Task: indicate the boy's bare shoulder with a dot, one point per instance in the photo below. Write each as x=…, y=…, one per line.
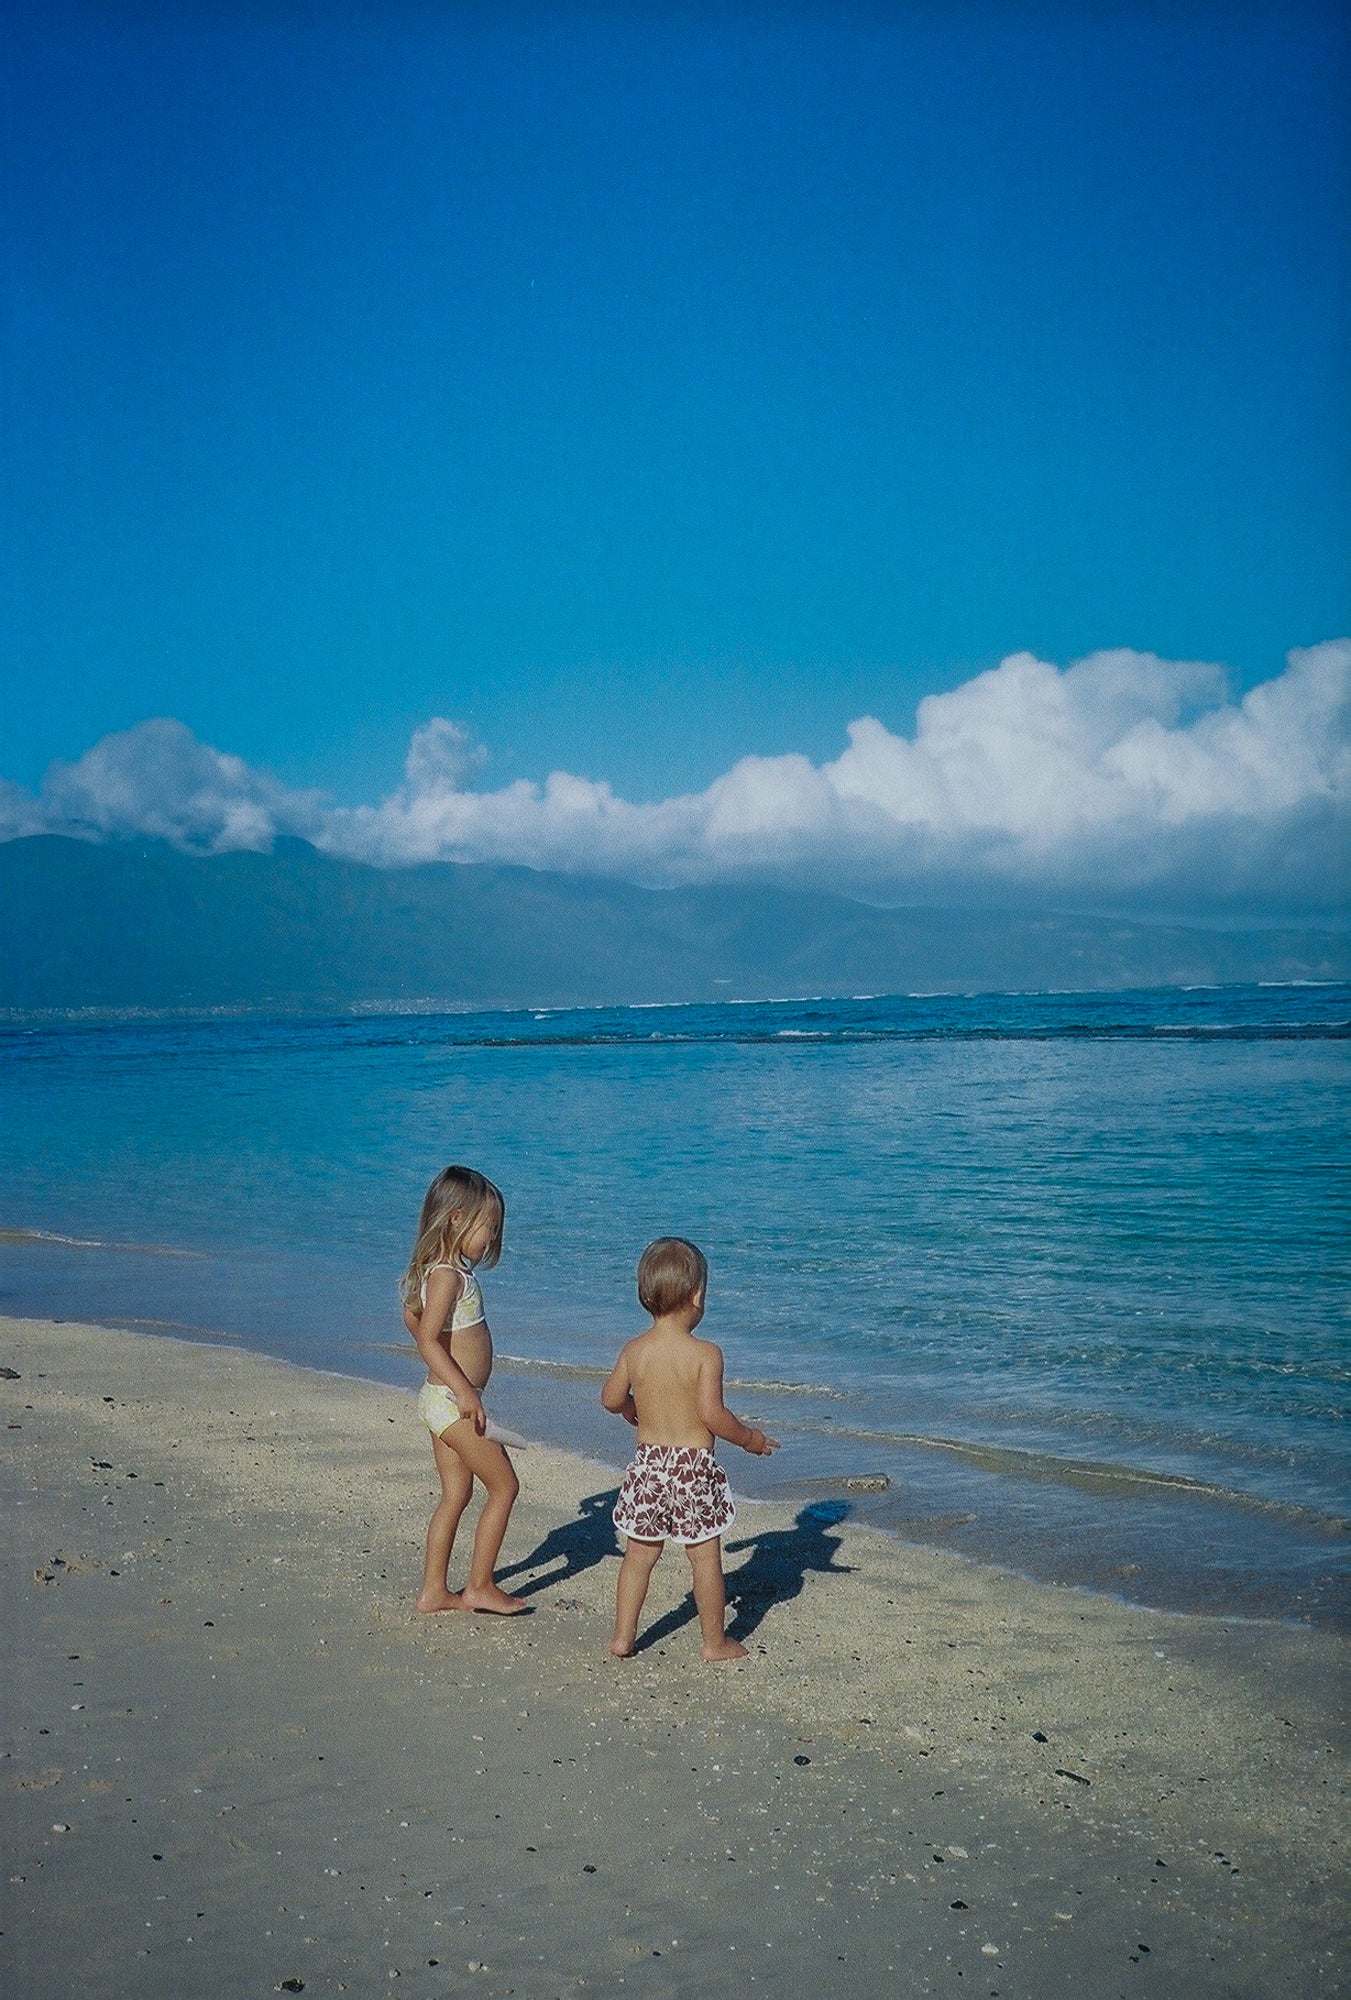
x=710, y=1354
x=641, y=1345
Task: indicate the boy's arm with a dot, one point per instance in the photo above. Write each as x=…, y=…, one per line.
x=715, y=1415
x=443, y=1289
x=617, y=1395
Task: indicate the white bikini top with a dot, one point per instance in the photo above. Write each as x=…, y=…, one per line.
x=468, y=1308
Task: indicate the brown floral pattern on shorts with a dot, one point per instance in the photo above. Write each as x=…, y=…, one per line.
x=675, y=1493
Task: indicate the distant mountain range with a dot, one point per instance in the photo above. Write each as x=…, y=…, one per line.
x=138, y=925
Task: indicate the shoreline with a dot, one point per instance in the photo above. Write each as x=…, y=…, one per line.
x=1168, y=1541
x=930, y=1777
x=395, y=1008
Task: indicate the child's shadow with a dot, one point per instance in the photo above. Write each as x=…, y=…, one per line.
x=579, y=1545
x=773, y=1573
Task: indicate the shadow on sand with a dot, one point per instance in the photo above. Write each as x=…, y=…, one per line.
x=773, y=1573
x=578, y=1545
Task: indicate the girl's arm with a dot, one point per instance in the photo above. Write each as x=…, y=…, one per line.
x=715, y=1415
x=617, y=1395
x=443, y=1291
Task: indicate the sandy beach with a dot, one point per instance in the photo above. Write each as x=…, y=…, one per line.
x=237, y=1762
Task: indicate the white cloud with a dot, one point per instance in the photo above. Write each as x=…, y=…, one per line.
x=158, y=780
x=1123, y=775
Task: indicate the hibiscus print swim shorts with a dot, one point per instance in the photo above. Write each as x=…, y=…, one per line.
x=674, y=1493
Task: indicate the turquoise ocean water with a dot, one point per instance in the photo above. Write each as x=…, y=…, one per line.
x=1066, y=1272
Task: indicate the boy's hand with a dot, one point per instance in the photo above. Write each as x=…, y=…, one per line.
x=760, y=1445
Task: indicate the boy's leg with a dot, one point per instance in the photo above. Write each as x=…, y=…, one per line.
x=635, y=1573
x=710, y=1599
x=457, y=1483
x=487, y=1461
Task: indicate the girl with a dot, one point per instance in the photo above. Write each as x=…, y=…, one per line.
x=460, y=1227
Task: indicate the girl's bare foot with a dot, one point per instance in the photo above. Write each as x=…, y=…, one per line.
x=487, y=1597
x=439, y=1600
x=726, y=1649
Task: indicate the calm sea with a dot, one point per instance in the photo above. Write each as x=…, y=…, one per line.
x=1059, y=1279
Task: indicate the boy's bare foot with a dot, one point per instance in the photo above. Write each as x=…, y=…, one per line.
x=618, y=1652
x=725, y=1650
x=439, y=1600
x=487, y=1597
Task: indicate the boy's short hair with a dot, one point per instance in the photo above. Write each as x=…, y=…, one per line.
x=671, y=1272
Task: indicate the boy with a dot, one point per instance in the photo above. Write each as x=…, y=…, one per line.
x=669, y=1386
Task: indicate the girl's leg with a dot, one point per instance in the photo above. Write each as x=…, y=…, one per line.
x=710, y=1599
x=635, y=1573
x=457, y=1483
x=486, y=1461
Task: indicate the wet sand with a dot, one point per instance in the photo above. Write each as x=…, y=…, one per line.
x=236, y=1761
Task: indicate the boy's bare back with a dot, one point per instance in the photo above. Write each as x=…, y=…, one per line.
x=674, y=1380
x=670, y=1385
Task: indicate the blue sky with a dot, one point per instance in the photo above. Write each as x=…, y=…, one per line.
x=647, y=388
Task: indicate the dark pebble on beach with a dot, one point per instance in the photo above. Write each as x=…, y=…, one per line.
x=802, y=1760
x=959, y=1906
x=1061, y=1772
x=589, y=1868
x=291, y=1986
x=1040, y=1736
x=10, y=1375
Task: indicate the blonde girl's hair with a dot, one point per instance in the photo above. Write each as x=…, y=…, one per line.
x=670, y=1273
x=458, y=1198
